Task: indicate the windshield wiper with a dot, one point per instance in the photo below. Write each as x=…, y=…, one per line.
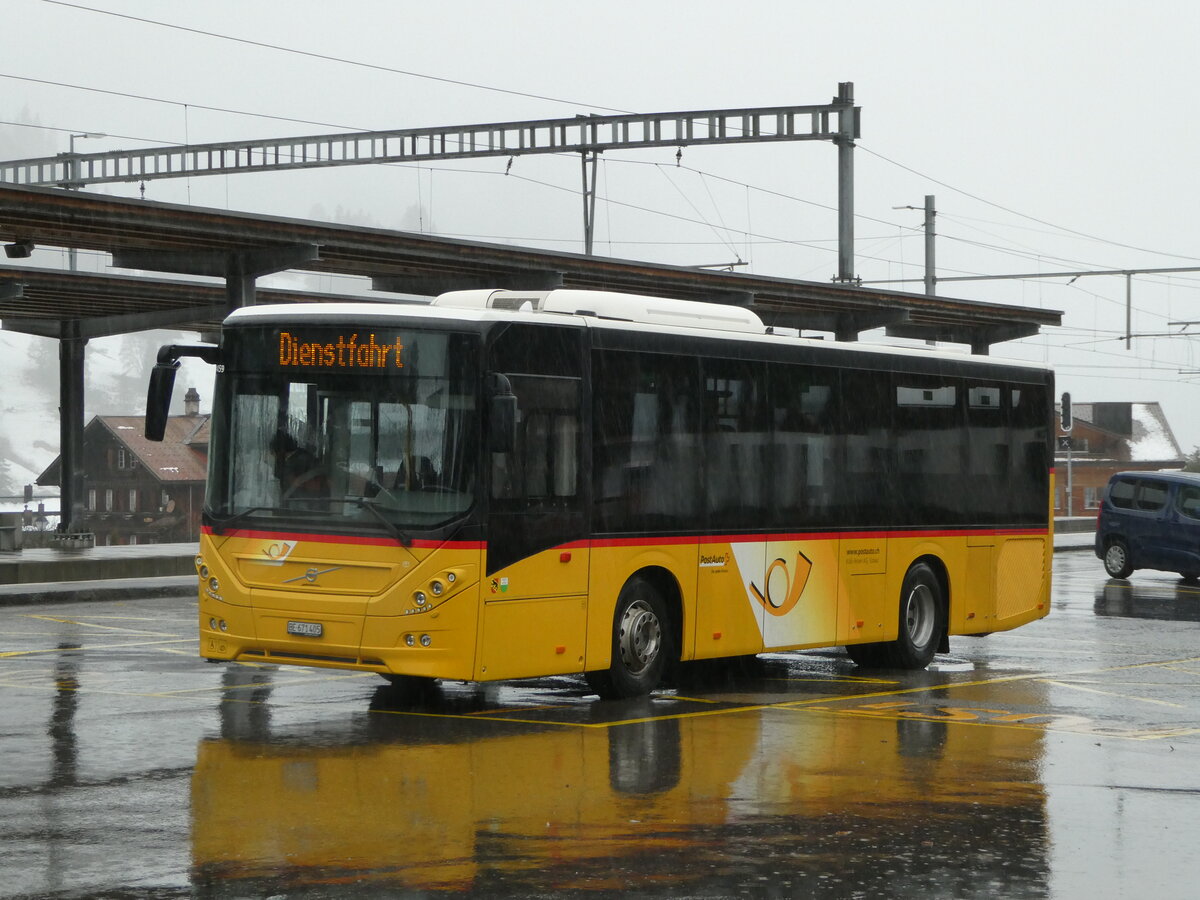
x=370, y=505
x=225, y=524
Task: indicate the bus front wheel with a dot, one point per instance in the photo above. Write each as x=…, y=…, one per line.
x=640, y=644
x=410, y=685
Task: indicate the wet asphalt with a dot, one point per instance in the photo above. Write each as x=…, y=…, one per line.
x=1058, y=760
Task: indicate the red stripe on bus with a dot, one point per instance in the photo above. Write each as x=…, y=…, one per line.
x=646, y=541
x=816, y=536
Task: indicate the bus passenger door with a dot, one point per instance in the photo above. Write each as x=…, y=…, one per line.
x=736, y=433
x=799, y=593
x=534, y=616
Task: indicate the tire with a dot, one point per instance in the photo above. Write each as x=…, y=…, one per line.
x=410, y=686
x=867, y=656
x=641, y=644
x=922, y=620
x=1117, y=561
x=922, y=625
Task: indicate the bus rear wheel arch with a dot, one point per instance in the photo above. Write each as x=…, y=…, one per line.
x=921, y=633
x=644, y=640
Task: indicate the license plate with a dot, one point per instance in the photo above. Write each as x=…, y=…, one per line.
x=306, y=629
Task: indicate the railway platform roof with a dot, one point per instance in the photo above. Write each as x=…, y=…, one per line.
x=238, y=247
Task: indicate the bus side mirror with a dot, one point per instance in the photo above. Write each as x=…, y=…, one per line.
x=162, y=382
x=158, y=398
x=502, y=414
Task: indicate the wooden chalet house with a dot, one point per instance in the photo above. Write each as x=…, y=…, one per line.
x=137, y=491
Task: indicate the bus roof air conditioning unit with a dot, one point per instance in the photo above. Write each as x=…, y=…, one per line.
x=612, y=305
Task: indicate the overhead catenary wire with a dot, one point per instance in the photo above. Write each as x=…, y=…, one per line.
x=979, y=199
x=330, y=58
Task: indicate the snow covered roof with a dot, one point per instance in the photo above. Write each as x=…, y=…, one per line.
x=1150, y=438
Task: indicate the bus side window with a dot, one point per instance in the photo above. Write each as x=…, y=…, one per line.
x=544, y=366
x=867, y=479
x=1029, y=420
x=805, y=459
x=543, y=467
x=648, y=440
x=989, y=454
x=736, y=429
x=931, y=445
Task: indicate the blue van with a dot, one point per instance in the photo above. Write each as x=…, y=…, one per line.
x=1150, y=520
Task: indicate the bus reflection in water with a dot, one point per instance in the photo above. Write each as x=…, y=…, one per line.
x=802, y=801
x=516, y=485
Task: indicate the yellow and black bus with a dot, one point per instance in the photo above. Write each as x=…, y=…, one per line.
x=501, y=485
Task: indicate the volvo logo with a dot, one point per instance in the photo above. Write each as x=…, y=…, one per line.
x=311, y=575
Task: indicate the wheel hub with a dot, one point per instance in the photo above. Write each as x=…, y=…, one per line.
x=919, y=615
x=640, y=637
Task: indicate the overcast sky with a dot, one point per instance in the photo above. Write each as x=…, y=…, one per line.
x=1055, y=136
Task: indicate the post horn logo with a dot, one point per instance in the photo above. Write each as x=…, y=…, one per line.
x=276, y=554
x=783, y=588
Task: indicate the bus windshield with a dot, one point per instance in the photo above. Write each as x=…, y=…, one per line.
x=365, y=448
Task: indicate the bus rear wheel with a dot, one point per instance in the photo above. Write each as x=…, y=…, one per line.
x=641, y=644
x=922, y=625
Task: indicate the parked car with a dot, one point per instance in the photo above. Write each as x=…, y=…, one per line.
x=1150, y=520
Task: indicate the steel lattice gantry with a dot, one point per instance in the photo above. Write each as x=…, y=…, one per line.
x=837, y=122
x=570, y=135
x=240, y=247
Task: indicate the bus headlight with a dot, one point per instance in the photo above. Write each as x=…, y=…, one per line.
x=410, y=640
x=214, y=585
x=437, y=587
x=426, y=640
x=420, y=598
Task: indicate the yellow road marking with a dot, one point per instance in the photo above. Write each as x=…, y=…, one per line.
x=119, y=618
x=835, y=679
x=91, y=625
x=500, y=712
x=816, y=704
x=1059, y=723
x=13, y=654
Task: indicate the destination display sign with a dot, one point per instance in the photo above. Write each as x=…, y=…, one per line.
x=349, y=350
